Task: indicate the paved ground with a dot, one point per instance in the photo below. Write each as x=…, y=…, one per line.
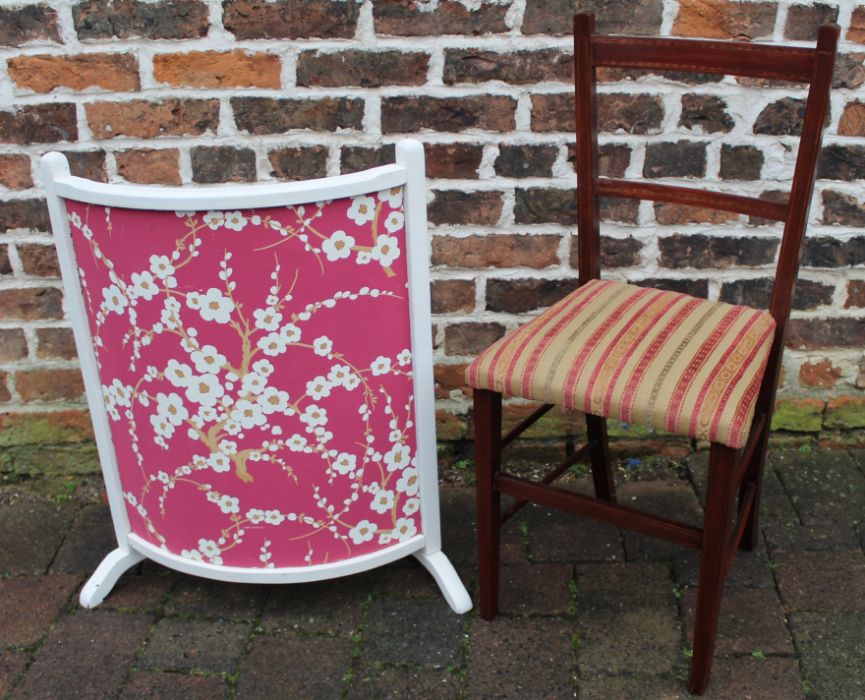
x=588, y=612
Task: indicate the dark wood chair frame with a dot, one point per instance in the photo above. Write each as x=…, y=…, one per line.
x=728, y=525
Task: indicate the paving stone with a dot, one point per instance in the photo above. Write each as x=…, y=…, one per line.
x=670, y=498
x=633, y=688
x=821, y=580
x=521, y=658
x=824, y=486
x=294, y=667
x=627, y=620
x=146, y=685
x=141, y=591
x=417, y=631
x=832, y=652
x=12, y=663
x=796, y=537
x=751, y=620
x=744, y=677
x=86, y=655
x=399, y=683
x=88, y=541
x=321, y=606
x=31, y=530
x=407, y=577
x=542, y=588
x=558, y=536
x=186, y=645
x=750, y=569
x=201, y=597
x=29, y=604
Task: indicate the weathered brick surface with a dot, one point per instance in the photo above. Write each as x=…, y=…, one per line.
x=267, y=115
x=222, y=164
x=145, y=119
x=361, y=68
x=13, y=344
x=27, y=214
x=705, y=113
x=725, y=19
x=290, y=19
x=15, y=172
x=49, y=384
x=449, y=17
x=450, y=114
x=89, y=164
x=471, y=337
x=149, y=166
x=449, y=296
x=521, y=295
x=756, y=293
x=458, y=207
x=741, y=162
x=43, y=73
x=31, y=304
x=28, y=604
x=681, y=159
x=519, y=68
x=495, y=251
x=130, y=19
x=780, y=118
x=218, y=69
x=301, y=163
x=681, y=250
x=839, y=162
x=453, y=160
x=803, y=21
x=25, y=23
x=611, y=17
x=40, y=123
x=39, y=260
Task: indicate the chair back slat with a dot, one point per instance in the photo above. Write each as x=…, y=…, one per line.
x=691, y=196
x=700, y=56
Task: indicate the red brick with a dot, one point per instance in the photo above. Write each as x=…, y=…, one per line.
x=39, y=260
x=266, y=115
x=450, y=296
x=149, y=119
x=89, y=164
x=453, y=160
x=18, y=25
x=13, y=345
x=56, y=343
x=49, y=384
x=671, y=214
x=448, y=114
x=526, y=160
x=844, y=209
x=45, y=123
x=117, y=72
x=211, y=164
x=856, y=31
x=356, y=158
x=811, y=333
x=725, y=19
x=290, y=19
x=553, y=112
x=218, y=69
x=611, y=16
x=449, y=17
x=361, y=68
x=518, y=296
x=31, y=304
x=471, y=337
x=5, y=264
x=149, y=166
x=855, y=295
x=129, y=19
x=15, y=172
x=822, y=374
x=450, y=378
x=299, y=162
x=27, y=214
x=803, y=21
x=5, y=395
x=457, y=207
x=514, y=67
x=852, y=122
x=498, y=251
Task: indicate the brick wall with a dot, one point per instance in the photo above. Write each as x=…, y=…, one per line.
x=202, y=91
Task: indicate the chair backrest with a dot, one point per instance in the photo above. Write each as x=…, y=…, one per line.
x=257, y=360
x=813, y=66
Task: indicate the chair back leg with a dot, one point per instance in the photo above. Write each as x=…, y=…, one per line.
x=754, y=475
x=714, y=555
x=599, y=454
x=488, y=456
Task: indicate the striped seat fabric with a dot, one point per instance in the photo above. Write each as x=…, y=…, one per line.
x=641, y=355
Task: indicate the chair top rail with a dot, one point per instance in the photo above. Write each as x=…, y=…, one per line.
x=704, y=56
x=691, y=196
x=227, y=196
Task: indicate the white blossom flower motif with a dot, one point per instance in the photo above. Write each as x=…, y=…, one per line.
x=394, y=221
x=404, y=358
x=193, y=300
x=204, y=389
x=74, y=219
x=193, y=554
x=338, y=246
x=412, y=505
x=386, y=250
x=364, y=531
x=393, y=197
x=161, y=266
x=144, y=285
x=255, y=515
x=234, y=220
x=253, y=383
x=318, y=388
x=213, y=219
x=273, y=517
x=248, y=414
x=219, y=462
x=290, y=333
x=161, y=426
x=215, y=306
x=408, y=482
x=122, y=393
x=171, y=407
x=351, y=382
x=228, y=446
x=404, y=529
x=322, y=346
x=229, y=504
x=208, y=360
x=363, y=257
x=211, y=550
x=178, y=373
x=115, y=301
x=272, y=344
x=339, y=374
x=382, y=502
x=314, y=416
x=397, y=457
x=267, y=319
x=232, y=427
x=199, y=461
x=380, y=365
x=170, y=313
x=263, y=367
x=273, y=400
x=362, y=209
x=345, y=463
x=296, y=443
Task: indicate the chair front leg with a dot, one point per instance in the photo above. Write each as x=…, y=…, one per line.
x=488, y=454
x=715, y=550
x=599, y=455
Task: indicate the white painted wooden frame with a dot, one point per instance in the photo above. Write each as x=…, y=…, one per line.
x=408, y=171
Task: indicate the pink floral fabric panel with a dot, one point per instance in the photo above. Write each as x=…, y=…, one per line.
x=256, y=369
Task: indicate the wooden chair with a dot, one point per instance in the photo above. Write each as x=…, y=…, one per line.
x=685, y=365
x=249, y=425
